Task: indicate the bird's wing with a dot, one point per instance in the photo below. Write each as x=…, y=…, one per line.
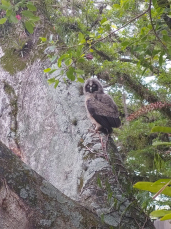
x=104, y=111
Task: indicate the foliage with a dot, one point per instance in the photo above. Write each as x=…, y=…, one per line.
x=13, y=11
x=160, y=186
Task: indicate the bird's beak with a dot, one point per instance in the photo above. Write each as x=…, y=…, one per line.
x=91, y=89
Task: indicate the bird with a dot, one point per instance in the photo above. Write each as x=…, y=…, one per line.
x=102, y=110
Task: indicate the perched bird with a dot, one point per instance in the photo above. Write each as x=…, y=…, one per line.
x=101, y=108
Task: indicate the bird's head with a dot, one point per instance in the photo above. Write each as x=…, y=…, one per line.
x=93, y=85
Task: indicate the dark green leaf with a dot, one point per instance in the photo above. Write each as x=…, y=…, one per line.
x=125, y=43
x=27, y=13
x=70, y=74
x=13, y=19
x=166, y=38
x=8, y=13
x=154, y=2
x=144, y=71
x=29, y=27
x=31, y=7
x=161, y=59
x=81, y=60
x=79, y=71
x=34, y=18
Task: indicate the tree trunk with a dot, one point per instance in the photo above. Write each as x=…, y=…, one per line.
x=27, y=201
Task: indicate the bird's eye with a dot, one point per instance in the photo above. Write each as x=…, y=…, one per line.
x=88, y=86
x=94, y=85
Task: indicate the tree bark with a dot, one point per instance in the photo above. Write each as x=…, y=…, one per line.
x=27, y=201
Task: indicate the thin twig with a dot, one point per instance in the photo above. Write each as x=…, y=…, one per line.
x=133, y=19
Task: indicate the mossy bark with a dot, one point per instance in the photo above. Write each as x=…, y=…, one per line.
x=27, y=201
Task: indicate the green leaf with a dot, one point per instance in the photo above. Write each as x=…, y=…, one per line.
x=160, y=213
x=81, y=60
x=43, y=39
x=151, y=187
x=56, y=83
x=79, y=50
x=6, y=4
x=117, y=6
x=80, y=36
x=8, y=13
x=31, y=7
x=79, y=71
x=161, y=129
x=68, y=61
x=70, y=74
x=52, y=71
x=29, y=27
x=3, y=20
x=30, y=15
x=161, y=181
x=34, y=18
x=4, y=7
x=103, y=20
x=61, y=58
x=27, y=13
x=13, y=19
x=144, y=71
x=80, y=80
x=52, y=80
x=166, y=38
x=106, y=23
x=161, y=143
x=154, y=2
x=125, y=43
x=166, y=217
x=47, y=70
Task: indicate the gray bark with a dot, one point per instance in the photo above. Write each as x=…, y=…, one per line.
x=27, y=201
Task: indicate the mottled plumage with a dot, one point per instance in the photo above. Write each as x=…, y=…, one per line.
x=101, y=108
